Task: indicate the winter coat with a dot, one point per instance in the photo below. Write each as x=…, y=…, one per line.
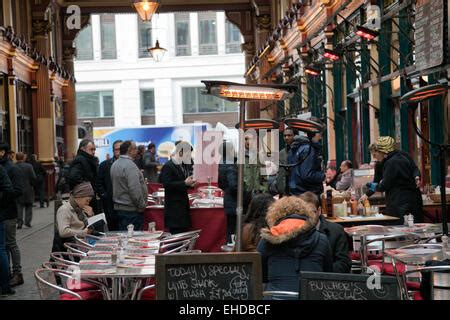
x=176, y=200
x=378, y=175
x=6, y=189
x=8, y=206
x=228, y=182
x=398, y=183
x=83, y=168
x=150, y=166
x=344, y=180
x=292, y=244
x=29, y=180
x=338, y=240
x=253, y=181
x=104, y=184
x=129, y=189
x=308, y=175
x=281, y=175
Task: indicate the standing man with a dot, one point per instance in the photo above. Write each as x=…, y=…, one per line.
x=105, y=187
x=150, y=163
x=129, y=189
x=400, y=180
x=177, y=179
x=40, y=173
x=308, y=174
x=289, y=135
x=26, y=200
x=84, y=168
x=9, y=208
x=6, y=190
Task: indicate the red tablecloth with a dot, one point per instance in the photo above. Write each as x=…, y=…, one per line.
x=153, y=187
x=212, y=222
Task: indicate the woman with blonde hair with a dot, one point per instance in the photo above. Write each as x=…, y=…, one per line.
x=291, y=243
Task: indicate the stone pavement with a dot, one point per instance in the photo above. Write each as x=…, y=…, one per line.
x=35, y=244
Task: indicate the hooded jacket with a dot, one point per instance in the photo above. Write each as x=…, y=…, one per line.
x=292, y=244
x=308, y=175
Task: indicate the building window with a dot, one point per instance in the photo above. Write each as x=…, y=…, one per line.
x=108, y=36
x=95, y=104
x=182, y=34
x=4, y=118
x=233, y=38
x=83, y=44
x=194, y=102
x=147, y=102
x=145, y=37
x=24, y=115
x=207, y=33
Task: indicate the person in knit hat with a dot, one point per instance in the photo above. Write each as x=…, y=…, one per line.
x=400, y=180
x=71, y=218
x=291, y=243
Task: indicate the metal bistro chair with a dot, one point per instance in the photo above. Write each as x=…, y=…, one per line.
x=179, y=246
x=190, y=235
x=387, y=242
x=85, y=239
x=71, y=283
x=280, y=295
x=50, y=290
x=439, y=283
x=77, y=248
x=68, y=258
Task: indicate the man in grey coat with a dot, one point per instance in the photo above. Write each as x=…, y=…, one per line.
x=26, y=200
x=129, y=188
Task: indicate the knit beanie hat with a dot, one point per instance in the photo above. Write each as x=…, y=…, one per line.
x=82, y=190
x=385, y=144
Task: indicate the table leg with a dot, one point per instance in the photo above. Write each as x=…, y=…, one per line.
x=115, y=288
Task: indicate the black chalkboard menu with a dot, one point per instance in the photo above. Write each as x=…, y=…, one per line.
x=429, y=33
x=341, y=286
x=205, y=276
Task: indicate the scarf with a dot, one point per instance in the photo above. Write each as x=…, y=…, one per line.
x=80, y=214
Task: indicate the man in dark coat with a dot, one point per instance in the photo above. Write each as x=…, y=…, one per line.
x=105, y=186
x=336, y=235
x=6, y=190
x=400, y=182
x=308, y=174
x=40, y=173
x=176, y=177
x=9, y=208
x=289, y=138
x=150, y=163
x=26, y=200
x=84, y=168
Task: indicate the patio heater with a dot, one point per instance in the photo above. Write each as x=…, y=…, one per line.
x=412, y=99
x=245, y=92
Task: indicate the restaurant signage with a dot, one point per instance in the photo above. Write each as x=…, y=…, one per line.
x=219, y=276
x=429, y=34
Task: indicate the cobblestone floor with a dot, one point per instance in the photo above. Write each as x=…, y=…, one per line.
x=35, y=245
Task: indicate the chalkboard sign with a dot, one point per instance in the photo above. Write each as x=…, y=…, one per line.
x=429, y=34
x=340, y=286
x=204, y=276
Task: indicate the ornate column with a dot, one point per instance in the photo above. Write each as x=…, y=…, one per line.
x=329, y=79
x=69, y=107
x=253, y=108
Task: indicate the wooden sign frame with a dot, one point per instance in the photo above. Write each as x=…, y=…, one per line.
x=254, y=258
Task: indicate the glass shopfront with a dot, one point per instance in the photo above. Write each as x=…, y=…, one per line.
x=24, y=118
x=4, y=116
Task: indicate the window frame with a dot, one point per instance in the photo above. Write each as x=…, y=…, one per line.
x=148, y=39
x=181, y=17
x=101, y=94
x=142, y=90
x=204, y=49
x=102, y=49
x=197, y=102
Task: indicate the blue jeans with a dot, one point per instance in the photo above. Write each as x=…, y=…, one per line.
x=130, y=217
x=4, y=263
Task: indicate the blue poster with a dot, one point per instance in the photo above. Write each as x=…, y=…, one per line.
x=163, y=137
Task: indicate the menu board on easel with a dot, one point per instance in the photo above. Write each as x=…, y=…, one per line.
x=429, y=34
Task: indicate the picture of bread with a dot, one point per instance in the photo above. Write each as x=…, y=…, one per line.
x=165, y=149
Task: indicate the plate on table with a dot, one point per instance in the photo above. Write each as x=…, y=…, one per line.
x=417, y=251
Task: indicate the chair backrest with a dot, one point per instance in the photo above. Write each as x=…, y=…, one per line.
x=67, y=258
x=280, y=295
x=173, y=247
x=439, y=281
x=76, y=248
x=180, y=236
x=432, y=239
x=47, y=285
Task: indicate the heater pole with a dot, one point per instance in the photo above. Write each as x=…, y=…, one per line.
x=442, y=154
x=240, y=189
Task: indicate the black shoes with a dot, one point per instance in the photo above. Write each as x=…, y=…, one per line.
x=19, y=226
x=16, y=280
x=28, y=225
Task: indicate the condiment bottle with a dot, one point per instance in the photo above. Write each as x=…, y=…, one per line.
x=345, y=208
x=114, y=256
x=329, y=203
x=410, y=220
x=354, y=205
x=361, y=209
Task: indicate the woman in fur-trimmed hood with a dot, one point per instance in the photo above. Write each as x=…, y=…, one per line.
x=292, y=244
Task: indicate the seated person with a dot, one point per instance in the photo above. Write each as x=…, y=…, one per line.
x=335, y=233
x=331, y=177
x=344, y=180
x=71, y=218
x=291, y=244
x=255, y=220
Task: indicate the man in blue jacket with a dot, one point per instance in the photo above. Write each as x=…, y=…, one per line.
x=308, y=174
